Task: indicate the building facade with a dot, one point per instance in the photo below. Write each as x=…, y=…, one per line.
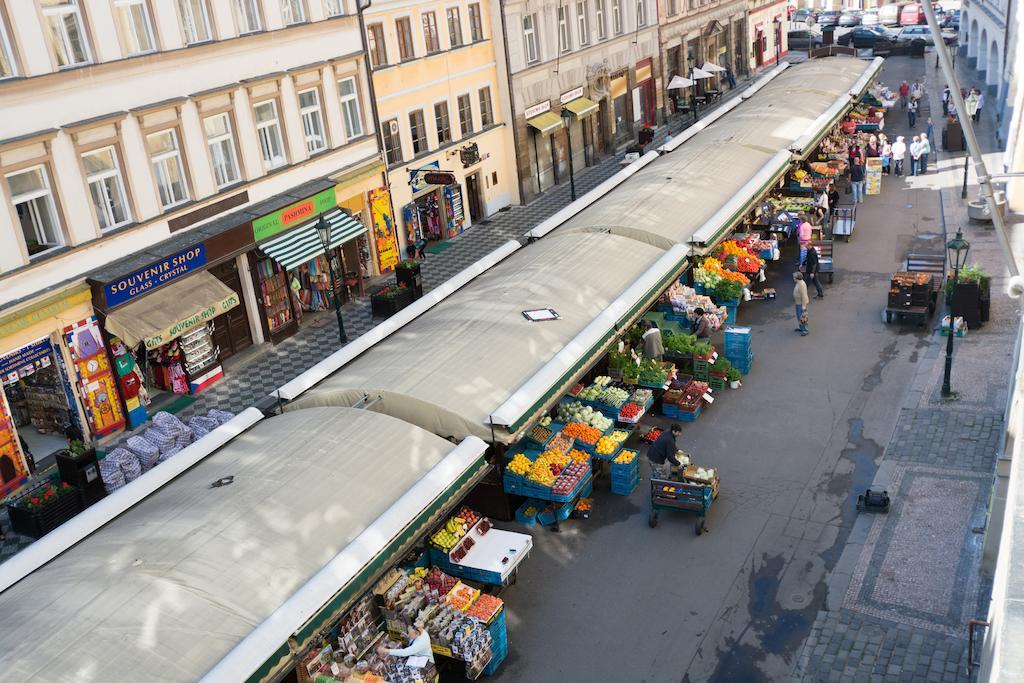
x=767, y=30
x=583, y=75
x=161, y=168
x=984, y=40
x=439, y=101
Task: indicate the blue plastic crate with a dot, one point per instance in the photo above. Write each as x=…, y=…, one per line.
x=560, y=513
x=626, y=487
x=730, y=313
x=742, y=363
x=669, y=410
x=522, y=517
x=690, y=417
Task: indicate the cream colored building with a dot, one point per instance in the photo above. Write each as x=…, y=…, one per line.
x=136, y=129
x=440, y=106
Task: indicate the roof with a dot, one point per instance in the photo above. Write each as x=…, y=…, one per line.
x=449, y=368
x=168, y=589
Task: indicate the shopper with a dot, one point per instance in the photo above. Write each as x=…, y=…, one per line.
x=930, y=129
x=886, y=158
x=857, y=182
x=947, y=97
x=731, y=78
x=701, y=326
x=926, y=149
x=654, y=348
x=833, y=195
x=899, y=153
x=916, y=92
x=904, y=91
x=971, y=103
x=981, y=105
x=800, y=300
x=811, y=269
x=823, y=205
x=915, y=155
x=663, y=451
x=854, y=152
x=871, y=149
x=912, y=113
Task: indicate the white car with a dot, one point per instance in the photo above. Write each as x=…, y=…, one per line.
x=869, y=18
x=909, y=34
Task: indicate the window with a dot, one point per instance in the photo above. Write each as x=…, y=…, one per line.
x=564, y=39
x=530, y=37
x=641, y=13
x=430, y=32
x=486, y=111
x=392, y=143
x=617, y=17
x=465, y=115
x=443, y=123
x=269, y=132
x=599, y=18
x=673, y=7
x=418, y=131
x=106, y=188
x=6, y=60
x=405, y=45
x=350, y=108
x=221, y=143
x=335, y=8
x=195, y=20
x=133, y=26
x=247, y=14
x=67, y=34
x=454, y=26
x=33, y=202
x=312, y=120
x=583, y=21
x=292, y=12
x=476, y=23
x=375, y=40
x=167, y=167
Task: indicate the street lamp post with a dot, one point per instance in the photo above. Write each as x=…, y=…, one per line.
x=693, y=95
x=567, y=117
x=323, y=229
x=963, y=190
x=778, y=39
x=956, y=249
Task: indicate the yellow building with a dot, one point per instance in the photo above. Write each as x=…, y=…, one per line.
x=436, y=81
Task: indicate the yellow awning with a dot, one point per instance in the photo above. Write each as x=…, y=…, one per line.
x=172, y=311
x=548, y=122
x=581, y=106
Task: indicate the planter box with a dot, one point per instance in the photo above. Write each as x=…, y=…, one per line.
x=385, y=307
x=38, y=523
x=967, y=304
x=411, y=278
x=77, y=471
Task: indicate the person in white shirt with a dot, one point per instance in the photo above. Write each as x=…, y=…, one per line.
x=899, y=153
x=981, y=103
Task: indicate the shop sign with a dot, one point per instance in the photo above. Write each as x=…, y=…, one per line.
x=384, y=239
x=537, y=109
x=140, y=282
x=469, y=155
x=571, y=95
x=418, y=181
x=13, y=365
x=15, y=322
x=201, y=318
x=294, y=215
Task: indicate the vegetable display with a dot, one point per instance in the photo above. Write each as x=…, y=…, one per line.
x=577, y=412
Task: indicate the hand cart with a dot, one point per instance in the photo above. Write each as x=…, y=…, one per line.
x=843, y=219
x=680, y=495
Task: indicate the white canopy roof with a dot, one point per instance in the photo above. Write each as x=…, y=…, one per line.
x=172, y=587
x=450, y=368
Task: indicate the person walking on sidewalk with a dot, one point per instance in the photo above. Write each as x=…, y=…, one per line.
x=926, y=149
x=886, y=157
x=857, y=181
x=899, y=153
x=916, y=92
x=915, y=155
x=912, y=113
x=904, y=92
x=981, y=105
x=946, y=98
x=971, y=103
x=800, y=300
x=731, y=78
x=812, y=268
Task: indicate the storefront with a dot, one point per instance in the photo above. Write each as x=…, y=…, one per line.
x=56, y=382
x=542, y=123
x=643, y=94
x=291, y=270
x=362, y=196
x=582, y=125
x=621, y=116
x=767, y=41
x=436, y=212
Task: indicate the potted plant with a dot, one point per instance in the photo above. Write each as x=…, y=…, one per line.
x=407, y=274
x=702, y=351
x=971, y=291
x=389, y=299
x=43, y=508
x=734, y=376
x=679, y=347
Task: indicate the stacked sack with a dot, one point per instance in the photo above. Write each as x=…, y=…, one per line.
x=201, y=426
x=110, y=472
x=172, y=433
x=221, y=416
x=126, y=463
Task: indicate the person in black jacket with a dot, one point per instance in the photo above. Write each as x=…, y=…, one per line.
x=662, y=450
x=812, y=268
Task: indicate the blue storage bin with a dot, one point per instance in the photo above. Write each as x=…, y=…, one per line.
x=688, y=416
x=699, y=288
x=730, y=313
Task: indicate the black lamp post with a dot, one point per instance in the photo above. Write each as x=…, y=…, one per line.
x=778, y=39
x=567, y=117
x=956, y=249
x=323, y=229
x=693, y=94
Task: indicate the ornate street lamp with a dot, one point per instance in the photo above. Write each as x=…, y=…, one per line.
x=567, y=117
x=323, y=229
x=777, y=23
x=956, y=250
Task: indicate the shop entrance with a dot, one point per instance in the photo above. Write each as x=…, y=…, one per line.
x=39, y=394
x=476, y=212
x=759, y=41
x=231, y=331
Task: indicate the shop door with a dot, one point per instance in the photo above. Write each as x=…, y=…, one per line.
x=231, y=331
x=476, y=212
x=647, y=99
x=759, y=49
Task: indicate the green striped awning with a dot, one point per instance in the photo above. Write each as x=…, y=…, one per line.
x=302, y=244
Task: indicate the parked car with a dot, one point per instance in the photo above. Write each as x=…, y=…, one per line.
x=803, y=16
x=889, y=15
x=912, y=14
x=862, y=37
x=870, y=18
x=909, y=34
x=803, y=40
x=850, y=18
x=828, y=18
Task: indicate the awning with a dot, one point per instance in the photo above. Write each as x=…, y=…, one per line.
x=548, y=122
x=581, y=106
x=303, y=244
x=172, y=311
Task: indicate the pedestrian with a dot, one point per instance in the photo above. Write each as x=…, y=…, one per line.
x=904, y=91
x=926, y=149
x=800, y=300
x=731, y=78
x=981, y=105
x=916, y=92
x=857, y=181
x=930, y=130
x=871, y=150
x=833, y=195
x=947, y=97
x=916, y=149
x=811, y=269
x=899, y=153
x=654, y=348
x=823, y=205
x=854, y=152
x=701, y=326
x=804, y=233
x=971, y=103
x=662, y=451
x=912, y=113
x=886, y=157
x=951, y=111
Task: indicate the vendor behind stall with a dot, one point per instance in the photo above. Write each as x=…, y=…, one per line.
x=654, y=347
x=663, y=449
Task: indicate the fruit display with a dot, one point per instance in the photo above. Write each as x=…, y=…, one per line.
x=613, y=396
x=585, y=504
x=910, y=279
x=576, y=389
x=619, y=435
x=577, y=455
x=606, y=445
x=582, y=432
x=540, y=434
x=520, y=464
x=546, y=468
x=560, y=443
x=571, y=477
x=545, y=421
x=577, y=412
x=625, y=457
x=462, y=596
x=485, y=607
x=652, y=435
x=439, y=582
x=468, y=516
x=630, y=412
x=712, y=271
x=706, y=475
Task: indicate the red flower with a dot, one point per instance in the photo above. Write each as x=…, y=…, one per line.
x=65, y=485
x=35, y=500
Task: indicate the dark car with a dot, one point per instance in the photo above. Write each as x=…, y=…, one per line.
x=850, y=18
x=804, y=40
x=862, y=37
x=952, y=20
x=829, y=18
x=803, y=16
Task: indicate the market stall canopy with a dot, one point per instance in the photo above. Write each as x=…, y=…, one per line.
x=303, y=244
x=198, y=577
x=581, y=106
x=447, y=370
x=679, y=82
x=674, y=196
x=171, y=311
x=548, y=122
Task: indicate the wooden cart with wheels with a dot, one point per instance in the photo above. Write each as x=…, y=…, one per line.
x=680, y=495
x=843, y=220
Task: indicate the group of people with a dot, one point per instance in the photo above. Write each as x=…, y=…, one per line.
x=974, y=101
x=893, y=156
x=910, y=100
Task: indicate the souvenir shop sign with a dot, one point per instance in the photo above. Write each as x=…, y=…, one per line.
x=201, y=318
x=140, y=282
x=383, y=229
x=417, y=176
x=25, y=357
x=294, y=215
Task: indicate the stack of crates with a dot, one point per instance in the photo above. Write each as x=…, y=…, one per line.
x=499, y=642
x=737, y=347
x=909, y=290
x=625, y=477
